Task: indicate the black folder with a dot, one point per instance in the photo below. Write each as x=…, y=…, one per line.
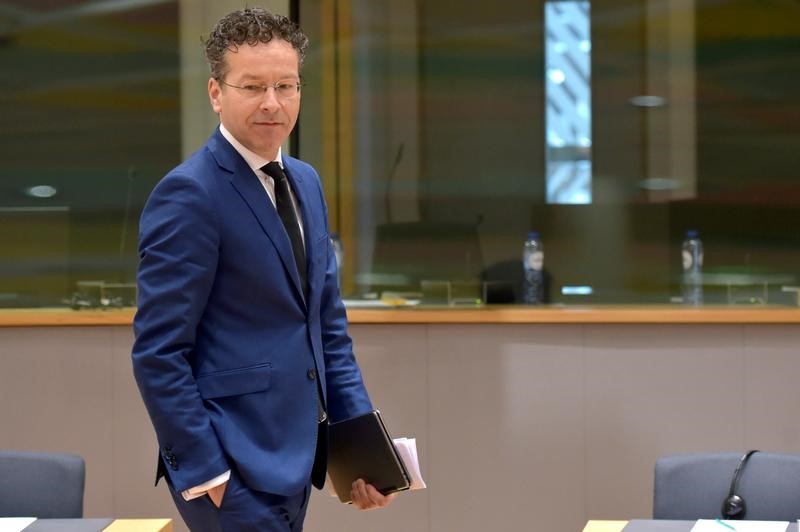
x=361, y=447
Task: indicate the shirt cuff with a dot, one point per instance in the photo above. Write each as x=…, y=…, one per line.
x=202, y=489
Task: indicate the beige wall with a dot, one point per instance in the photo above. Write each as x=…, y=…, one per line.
x=515, y=423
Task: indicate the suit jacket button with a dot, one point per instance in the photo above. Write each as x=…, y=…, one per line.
x=312, y=374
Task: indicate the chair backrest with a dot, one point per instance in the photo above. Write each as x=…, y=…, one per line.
x=43, y=485
x=694, y=486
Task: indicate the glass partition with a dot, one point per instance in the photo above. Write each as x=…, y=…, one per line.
x=91, y=120
x=434, y=129
x=433, y=126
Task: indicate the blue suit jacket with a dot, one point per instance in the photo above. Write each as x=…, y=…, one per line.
x=227, y=351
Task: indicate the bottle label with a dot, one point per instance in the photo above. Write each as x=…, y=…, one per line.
x=688, y=260
x=536, y=260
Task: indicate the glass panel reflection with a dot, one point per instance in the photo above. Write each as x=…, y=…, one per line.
x=568, y=90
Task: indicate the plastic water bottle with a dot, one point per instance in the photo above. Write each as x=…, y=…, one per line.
x=339, y=252
x=692, y=257
x=532, y=265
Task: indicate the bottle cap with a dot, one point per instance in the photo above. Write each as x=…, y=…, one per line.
x=533, y=235
x=692, y=233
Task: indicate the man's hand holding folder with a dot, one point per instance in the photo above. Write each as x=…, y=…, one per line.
x=366, y=467
x=365, y=497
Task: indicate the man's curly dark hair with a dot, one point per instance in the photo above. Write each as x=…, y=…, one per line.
x=250, y=26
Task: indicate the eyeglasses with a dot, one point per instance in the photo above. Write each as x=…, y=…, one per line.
x=285, y=89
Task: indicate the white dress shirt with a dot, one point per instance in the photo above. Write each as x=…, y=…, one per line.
x=256, y=162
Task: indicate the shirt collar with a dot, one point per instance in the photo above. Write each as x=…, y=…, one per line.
x=253, y=160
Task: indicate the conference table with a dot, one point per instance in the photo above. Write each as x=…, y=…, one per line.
x=26, y=524
x=652, y=525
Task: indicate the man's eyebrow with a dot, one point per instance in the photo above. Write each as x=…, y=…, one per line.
x=279, y=77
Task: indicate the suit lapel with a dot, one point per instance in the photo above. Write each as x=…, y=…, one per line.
x=252, y=192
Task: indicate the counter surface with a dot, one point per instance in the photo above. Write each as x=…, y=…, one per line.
x=491, y=314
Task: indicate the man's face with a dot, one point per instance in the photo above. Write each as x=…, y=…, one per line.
x=260, y=121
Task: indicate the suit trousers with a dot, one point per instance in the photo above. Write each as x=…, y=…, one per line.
x=244, y=510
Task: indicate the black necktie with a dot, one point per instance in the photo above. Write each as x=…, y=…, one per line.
x=285, y=208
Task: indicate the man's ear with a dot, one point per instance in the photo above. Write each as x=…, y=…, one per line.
x=214, y=91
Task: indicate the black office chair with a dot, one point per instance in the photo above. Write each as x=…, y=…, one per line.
x=697, y=486
x=43, y=485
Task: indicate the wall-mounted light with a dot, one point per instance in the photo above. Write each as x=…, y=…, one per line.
x=41, y=191
x=659, y=183
x=648, y=100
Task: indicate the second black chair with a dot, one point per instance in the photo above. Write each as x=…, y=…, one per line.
x=695, y=486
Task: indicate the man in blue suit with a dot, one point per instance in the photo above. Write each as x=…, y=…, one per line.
x=242, y=352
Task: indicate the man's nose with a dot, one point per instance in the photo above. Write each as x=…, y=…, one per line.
x=269, y=101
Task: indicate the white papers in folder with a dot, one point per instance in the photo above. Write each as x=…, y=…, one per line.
x=724, y=525
x=407, y=449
